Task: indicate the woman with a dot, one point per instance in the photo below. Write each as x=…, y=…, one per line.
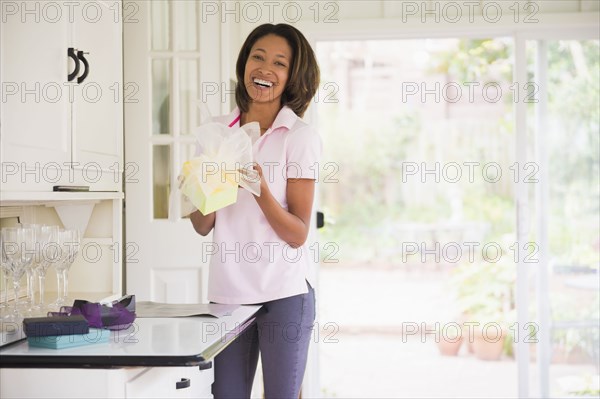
x=262, y=254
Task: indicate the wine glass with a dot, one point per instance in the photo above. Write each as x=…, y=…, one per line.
x=5, y=270
x=18, y=246
x=70, y=240
x=40, y=236
x=29, y=274
x=49, y=254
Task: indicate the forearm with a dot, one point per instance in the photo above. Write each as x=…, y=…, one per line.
x=202, y=224
x=286, y=225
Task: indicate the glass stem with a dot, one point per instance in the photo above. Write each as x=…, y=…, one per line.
x=5, y=290
x=60, y=286
x=16, y=287
x=42, y=281
x=30, y=286
x=65, y=283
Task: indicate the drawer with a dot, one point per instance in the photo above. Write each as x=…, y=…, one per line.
x=171, y=382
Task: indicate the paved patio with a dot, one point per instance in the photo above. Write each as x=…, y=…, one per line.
x=370, y=359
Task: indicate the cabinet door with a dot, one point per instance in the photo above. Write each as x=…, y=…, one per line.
x=35, y=106
x=98, y=108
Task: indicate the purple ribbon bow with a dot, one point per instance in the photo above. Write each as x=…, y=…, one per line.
x=118, y=317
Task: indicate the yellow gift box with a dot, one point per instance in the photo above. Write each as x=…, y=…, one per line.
x=208, y=189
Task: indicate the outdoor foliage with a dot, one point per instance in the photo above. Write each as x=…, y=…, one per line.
x=372, y=202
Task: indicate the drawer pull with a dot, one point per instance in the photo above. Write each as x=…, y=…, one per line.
x=184, y=383
x=205, y=366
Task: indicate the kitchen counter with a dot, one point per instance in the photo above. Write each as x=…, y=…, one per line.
x=145, y=360
x=183, y=341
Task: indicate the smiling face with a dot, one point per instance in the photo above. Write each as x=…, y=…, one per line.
x=267, y=69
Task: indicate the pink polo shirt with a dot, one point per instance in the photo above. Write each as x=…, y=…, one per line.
x=249, y=262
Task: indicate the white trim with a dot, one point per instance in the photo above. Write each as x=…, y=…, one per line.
x=211, y=61
x=167, y=139
x=226, y=54
x=168, y=54
x=13, y=198
x=387, y=28
x=118, y=269
x=522, y=222
x=542, y=194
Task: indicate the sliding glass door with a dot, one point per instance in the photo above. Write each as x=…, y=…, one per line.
x=565, y=150
x=461, y=185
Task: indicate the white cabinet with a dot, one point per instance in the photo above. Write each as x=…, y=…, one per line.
x=98, y=108
x=35, y=114
x=131, y=382
x=56, y=132
x=171, y=382
x=147, y=360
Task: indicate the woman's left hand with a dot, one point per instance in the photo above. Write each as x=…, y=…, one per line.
x=291, y=224
x=264, y=187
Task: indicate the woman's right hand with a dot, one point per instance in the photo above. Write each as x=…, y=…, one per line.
x=203, y=224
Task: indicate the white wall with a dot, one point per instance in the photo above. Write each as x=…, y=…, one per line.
x=92, y=271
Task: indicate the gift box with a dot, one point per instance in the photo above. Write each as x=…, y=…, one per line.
x=223, y=163
x=55, y=326
x=207, y=186
x=93, y=336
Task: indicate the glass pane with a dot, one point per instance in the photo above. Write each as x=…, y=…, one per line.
x=187, y=26
x=161, y=90
x=432, y=140
x=187, y=152
x=161, y=16
x=161, y=180
x=572, y=216
x=188, y=95
x=422, y=139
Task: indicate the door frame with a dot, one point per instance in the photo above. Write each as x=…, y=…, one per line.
x=563, y=26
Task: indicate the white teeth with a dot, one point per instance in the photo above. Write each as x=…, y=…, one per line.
x=263, y=82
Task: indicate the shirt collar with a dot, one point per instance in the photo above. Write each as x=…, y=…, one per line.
x=285, y=118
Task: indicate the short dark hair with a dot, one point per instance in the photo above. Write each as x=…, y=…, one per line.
x=304, y=74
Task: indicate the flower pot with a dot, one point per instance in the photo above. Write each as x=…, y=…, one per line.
x=574, y=355
x=449, y=347
x=470, y=347
x=488, y=348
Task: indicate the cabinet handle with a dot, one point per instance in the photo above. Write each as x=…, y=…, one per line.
x=80, y=55
x=71, y=54
x=184, y=383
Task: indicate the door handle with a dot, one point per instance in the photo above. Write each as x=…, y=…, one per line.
x=80, y=55
x=71, y=54
x=184, y=383
x=320, y=220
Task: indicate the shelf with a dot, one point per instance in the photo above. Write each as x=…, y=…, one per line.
x=73, y=208
x=49, y=197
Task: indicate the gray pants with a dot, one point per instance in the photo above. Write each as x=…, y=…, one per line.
x=282, y=332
